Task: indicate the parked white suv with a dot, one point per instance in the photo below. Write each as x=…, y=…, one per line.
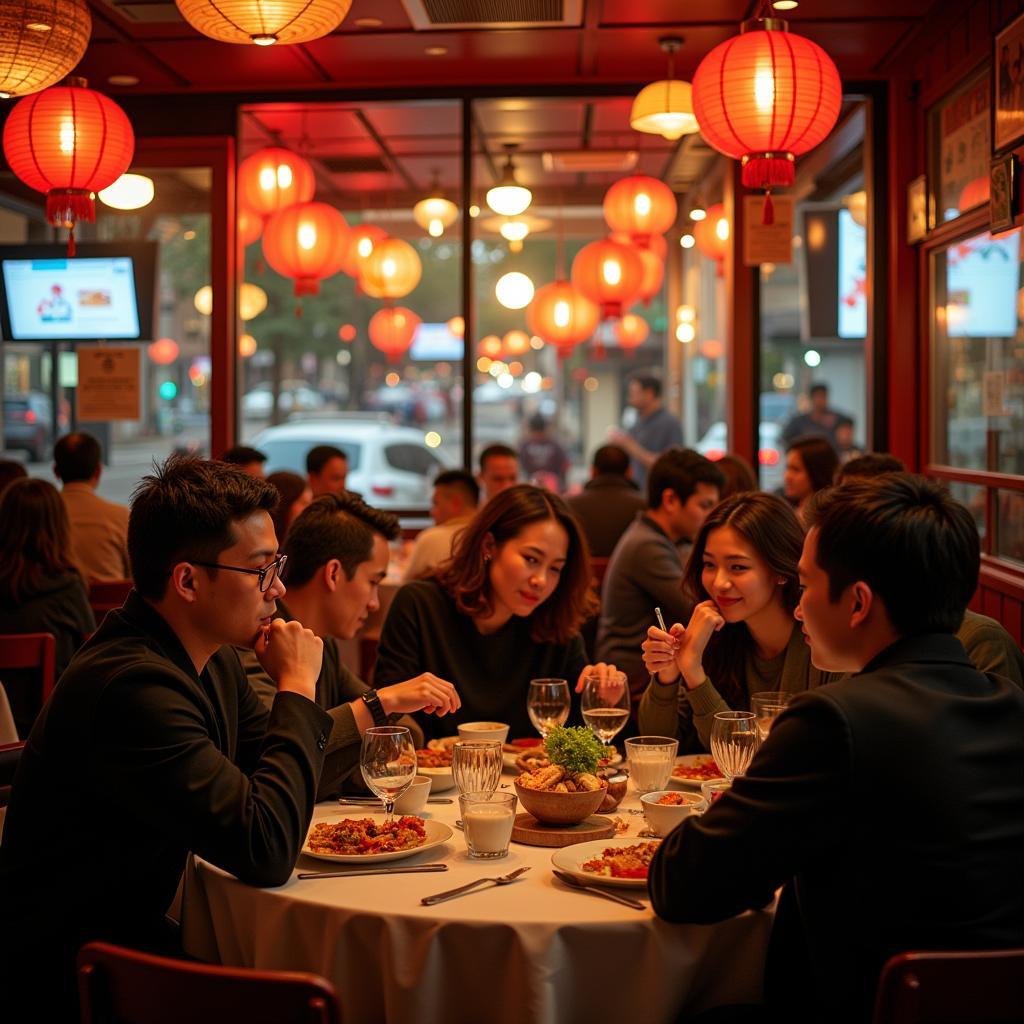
x=388, y=465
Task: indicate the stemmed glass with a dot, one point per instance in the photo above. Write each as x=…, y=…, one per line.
x=767, y=706
x=605, y=705
x=476, y=765
x=547, y=704
x=734, y=741
x=388, y=763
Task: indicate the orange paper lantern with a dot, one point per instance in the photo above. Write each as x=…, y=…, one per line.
x=516, y=343
x=347, y=332
x=562, y=316
x=609, y=274
x=654, y=275
x=272, y=179
x=306, y=242
x=392, y=330
x=163, y=351
x=631, y=331
x=361, y=240
x=248, y=227
x=712, y=233
x=490, y=346
x=656, y=244
x=40, y=42
x=68, y=141
x=640, y=206
x=262, y=23
x=765, y=97
x=391, y=271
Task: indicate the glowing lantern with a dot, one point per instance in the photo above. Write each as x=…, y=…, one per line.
x=392, y=330
x=361, y=240
x=490, y=346
x=68, y=142
x=857, y=204
x=562, y=316
x=609, y=274
x=631, y=331
x=129, y=192
x=514, y=290
x=712, y=349
x=248, y=227
x=247, y=346
x=306, y=242
x=457, y=326
x=516, y=343
x=347, y=332
x=765, y=97
x=272, y=179
x=654, y=274
x=665, y=108
x=712, y=234
x=435, y=213
x=974, y=194
x=391, y=271
x=639, y=206
x=40, y=42
x=164, y=351
x=657, y=244
x=263, y=23
x=252, y=300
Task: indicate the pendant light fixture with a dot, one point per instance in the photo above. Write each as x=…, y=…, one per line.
x=665, y=108
x=40, y=42
x=508, y=197
x=436, y=212
x=264, y=22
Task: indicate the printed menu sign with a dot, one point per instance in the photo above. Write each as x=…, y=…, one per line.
x=108, y=384
x=767, y=243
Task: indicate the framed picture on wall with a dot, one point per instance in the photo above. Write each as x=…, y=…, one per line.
x=1002, y=189
x=1008, y=102
x=917, y=209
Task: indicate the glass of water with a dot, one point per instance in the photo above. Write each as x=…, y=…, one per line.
x=767, y=706
x=605, y=704
x=734, y=741
x=476, y=765
x=548, y=704
x=388, y=763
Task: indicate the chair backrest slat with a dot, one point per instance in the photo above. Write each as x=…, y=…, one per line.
x=30, y=650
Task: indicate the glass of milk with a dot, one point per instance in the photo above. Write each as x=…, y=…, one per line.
x=650, y=761
x=487, y=820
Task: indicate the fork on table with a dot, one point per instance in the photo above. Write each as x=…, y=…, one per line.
x=429, y=901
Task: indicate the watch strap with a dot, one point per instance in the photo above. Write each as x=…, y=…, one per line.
x=372, y=700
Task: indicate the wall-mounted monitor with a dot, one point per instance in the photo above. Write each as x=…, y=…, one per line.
x=105, y=293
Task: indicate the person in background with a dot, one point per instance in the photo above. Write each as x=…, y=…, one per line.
x=327, y=468
x=741, y=638
x=870, y=465
x=454, y=503
x=609, y=501
x=542, y=457
x=886, y=571
x=248, y=460
x=846, y=447
x=294, y=495
x=499, y=469
x=811, y=464
x=655, y=429
x=646, y=568
x=337, y=552
x=99, y=528
x=818, y=421
x=9, y=471
x=505, y=609
x=739, y=475
x=41, y=588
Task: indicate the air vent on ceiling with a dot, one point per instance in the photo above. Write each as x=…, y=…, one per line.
x=147, y=12
x=452, y=14
x=353, y=164
x=572, y=161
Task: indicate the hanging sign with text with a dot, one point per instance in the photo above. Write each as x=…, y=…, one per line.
x=767, y=243
x=108, y=384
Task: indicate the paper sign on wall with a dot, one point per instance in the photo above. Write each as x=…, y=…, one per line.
x=767, y=243
x=994, y=393
x=108, y=384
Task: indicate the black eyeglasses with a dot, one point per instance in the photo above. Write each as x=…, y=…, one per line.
x=266, y=575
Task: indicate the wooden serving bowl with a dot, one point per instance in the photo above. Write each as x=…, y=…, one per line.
x=559, y=808
x=617, y=783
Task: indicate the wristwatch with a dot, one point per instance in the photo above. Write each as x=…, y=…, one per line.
x=372, y=700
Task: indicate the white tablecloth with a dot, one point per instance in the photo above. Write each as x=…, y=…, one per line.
x=534, y=951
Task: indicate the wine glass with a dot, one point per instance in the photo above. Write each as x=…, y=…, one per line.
x=476, y=765
x=388, y=763
x=547, y=704
x=605, y=705
x=734, y=740
x=767, y=706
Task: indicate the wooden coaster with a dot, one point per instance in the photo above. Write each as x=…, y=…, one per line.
x=529, y=831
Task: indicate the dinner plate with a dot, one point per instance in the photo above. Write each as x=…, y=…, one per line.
x=509, y=759
x=692, y=760
x=569, y=859
x=437, y=833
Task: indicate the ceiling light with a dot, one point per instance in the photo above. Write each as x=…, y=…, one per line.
x=436, y=212
x=687, y=241
x=515, y=230
x=263, y=24
x=436, y=51
x=698, y=212
x=129, y=192
x=785, y=5
x=665, y=108
x=122, y=80
x=474, y=211
x=514, y=290
x=508, y=197
x=368, y=22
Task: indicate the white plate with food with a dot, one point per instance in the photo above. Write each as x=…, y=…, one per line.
x=692, y=769
x=621, y=862
x=367, y=840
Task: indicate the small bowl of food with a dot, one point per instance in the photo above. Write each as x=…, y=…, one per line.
x=617, y=785
x=436, y=765
x=483, y=731
x=556, y=797
x=414, y=800
x=664, y=809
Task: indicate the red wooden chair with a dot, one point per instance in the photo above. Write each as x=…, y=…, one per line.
x=117, y=984
x=985, y=987
x=10, y=755
x=107, y=594
x=30, y=651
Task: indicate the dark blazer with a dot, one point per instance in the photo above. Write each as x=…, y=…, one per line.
x=891, y=804
x=135, y=761
x=604, y=509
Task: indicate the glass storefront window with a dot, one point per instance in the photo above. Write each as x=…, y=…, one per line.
x=1010, y=526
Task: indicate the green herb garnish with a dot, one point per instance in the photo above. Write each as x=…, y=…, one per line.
x=576, y=749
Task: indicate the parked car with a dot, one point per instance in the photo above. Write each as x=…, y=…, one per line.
x=28, y=424
x=259, y=402
x=770, y=455
x=389, y=465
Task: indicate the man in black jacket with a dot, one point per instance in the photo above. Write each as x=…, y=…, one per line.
x=153, y=743
x=890, y=805
x=608, y=502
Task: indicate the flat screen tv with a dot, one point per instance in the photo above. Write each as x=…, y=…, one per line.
x=106, y=293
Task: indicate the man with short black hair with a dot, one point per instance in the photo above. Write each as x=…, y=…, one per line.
x=820, y=420
x=871, y=464
x=655, y=429
x=327, y=469
x=646, y=567
x=609, y=501
x=455, y=500
x=499, y=469
x=99, y=528
x=153, y=744
x=890, y=804
x=248, y=460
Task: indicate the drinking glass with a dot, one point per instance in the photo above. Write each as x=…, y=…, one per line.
x=605, y=705
x=650, y=761
x=487, y=821
x=547, y=704
x=767, y=706
x=476, y=765
x=388, y=763
x=734, y=740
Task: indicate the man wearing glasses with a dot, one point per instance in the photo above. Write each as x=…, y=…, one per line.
x=153, y=743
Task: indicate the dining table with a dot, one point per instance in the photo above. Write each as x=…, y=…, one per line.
x=536, y=950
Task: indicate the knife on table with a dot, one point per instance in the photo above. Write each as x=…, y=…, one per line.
x=355, y=801
x=354, y=872
x=577, y=883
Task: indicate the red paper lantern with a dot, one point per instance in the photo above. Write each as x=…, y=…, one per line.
x=163, y=351
x=712, y=234
x=562, y=315
x=391, y=271
x=639, y=206
x=656, y=244
x=248, y=227
x=272, y=179
x=392, y=330
x=765, y=97
x=516, y=343
x=306, y=242
x=68, y=141
x=361, y=240
x=490, y=347
x=347, y=332
x=631, y=331
x=609, y=274
x=654, y=275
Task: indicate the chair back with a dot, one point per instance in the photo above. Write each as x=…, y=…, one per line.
x=117, y=984
x=598, y=568
x=30, y=651
x=982, y=987
x=107, y=594
x=10, y=755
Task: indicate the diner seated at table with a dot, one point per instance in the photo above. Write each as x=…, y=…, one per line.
x=889, y=804
x=453, y=504
x=294, y=495
x=153, y=744
x=337, y=552
x=505, y=609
